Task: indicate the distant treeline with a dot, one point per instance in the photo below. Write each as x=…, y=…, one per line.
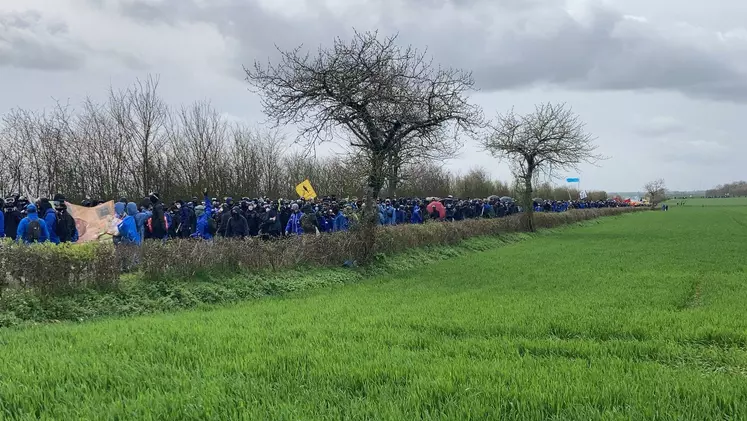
x=133, y=143
x=735, y=189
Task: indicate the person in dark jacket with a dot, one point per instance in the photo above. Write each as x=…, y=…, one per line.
x=224, y=216
x=12, y=216
x=253, y=219
x=271, y=225
x=192, y=217
x=158, y=220
x=284, y=213
x=67, y=232
x=182, y=230
x=237, y=226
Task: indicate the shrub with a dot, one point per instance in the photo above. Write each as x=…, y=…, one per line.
x=50, y=269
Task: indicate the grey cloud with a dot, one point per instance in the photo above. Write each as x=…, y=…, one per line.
x=27, y=41
x=695, y=152
x=660, y=127
x=540, y=43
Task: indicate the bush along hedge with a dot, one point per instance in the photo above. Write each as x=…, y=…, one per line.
x=77, y=282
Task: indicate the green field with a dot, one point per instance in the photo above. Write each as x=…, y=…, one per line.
x=634, y=317
x=731, y=201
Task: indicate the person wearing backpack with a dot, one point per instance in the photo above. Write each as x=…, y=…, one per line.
x=32, y=229
x=128, y=232
x=50, y=218
x=66, y=229
x=140, y=219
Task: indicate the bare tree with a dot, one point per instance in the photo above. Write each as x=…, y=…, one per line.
x=140, y=114
x=550, y=139
x=96, y=151
x=385, y=98
x=475, y=184
x=272, y=148
x=17, y=138
x=244, y=156
x=656, y=191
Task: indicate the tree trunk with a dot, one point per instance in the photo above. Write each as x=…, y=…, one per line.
x=392, y=186
x=527, y=218
x=370, y=221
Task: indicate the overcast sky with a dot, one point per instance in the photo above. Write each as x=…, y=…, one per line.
x=662, y=84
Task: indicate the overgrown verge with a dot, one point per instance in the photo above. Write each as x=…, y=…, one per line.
x=77, y=283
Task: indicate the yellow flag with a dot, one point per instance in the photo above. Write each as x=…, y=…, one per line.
x=305, y=190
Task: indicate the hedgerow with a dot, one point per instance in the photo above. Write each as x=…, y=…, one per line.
x=47, y=270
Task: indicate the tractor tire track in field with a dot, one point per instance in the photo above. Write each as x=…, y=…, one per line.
x=735, y=217
x=694, y=297
x=741, y=223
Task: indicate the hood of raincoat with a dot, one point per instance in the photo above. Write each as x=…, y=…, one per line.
x=119, y=208
x=131, y=209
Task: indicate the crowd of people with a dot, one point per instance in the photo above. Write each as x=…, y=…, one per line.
x=49, y=220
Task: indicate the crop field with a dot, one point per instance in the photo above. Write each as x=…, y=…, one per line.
x=635, y=317
x=702, y=202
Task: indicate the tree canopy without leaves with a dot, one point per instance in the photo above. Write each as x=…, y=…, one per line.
x=391, y=102
x=656, y=191
x=542, y=143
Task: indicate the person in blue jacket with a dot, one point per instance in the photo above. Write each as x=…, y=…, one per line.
x=416, y=217
x=204, y=214
x=487, y=210
x=128, y=227
x=140, y=219
x=390, y=214
x=294, y=222
x=23, y=233
x=50, y=218
x=340, y=223
x=401, y=215
x=322, y=222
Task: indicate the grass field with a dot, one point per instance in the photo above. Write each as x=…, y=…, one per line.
x=633, y=317
x=731, y=201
